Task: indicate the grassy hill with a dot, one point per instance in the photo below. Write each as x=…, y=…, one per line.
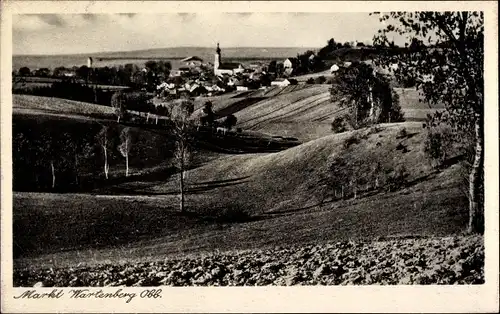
x=236, y=201
x=282, y=192
x=303, y=111
x=21, y=103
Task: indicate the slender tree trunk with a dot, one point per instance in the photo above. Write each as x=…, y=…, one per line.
x=106, y=166
x=355, y=116
x=118, y=120
x=53, y=174
x=76, y=168
x=156, y=119
x=372, y=104
x=182, y=183
x=126, y=164
x=476, y=215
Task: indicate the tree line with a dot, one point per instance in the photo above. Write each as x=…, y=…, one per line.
x=124, y=75
x=59, y=155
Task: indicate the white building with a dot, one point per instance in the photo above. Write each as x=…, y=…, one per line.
x=290, y=63
x=282, y=82
x=192, y=61
x=229, y=68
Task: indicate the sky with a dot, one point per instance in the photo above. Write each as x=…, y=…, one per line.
x=89, y=33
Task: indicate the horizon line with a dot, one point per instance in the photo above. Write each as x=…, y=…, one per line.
x=149, y=49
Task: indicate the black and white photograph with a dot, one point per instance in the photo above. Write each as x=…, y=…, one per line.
x=247, y=149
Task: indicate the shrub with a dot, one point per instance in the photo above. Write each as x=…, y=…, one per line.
x=339, y=125
x=320, y=80
x=399, y=178
x=354, y=139
x=310, y=81
x=438, y=144
x=402, y=133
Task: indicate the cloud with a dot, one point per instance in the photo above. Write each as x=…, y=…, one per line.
x=186, y=17
x=243, y=14
x=129, y=15
x=52, y=19
x=89, y=17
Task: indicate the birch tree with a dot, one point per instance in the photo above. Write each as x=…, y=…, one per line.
x=125, y=146
x=102, y=139
x=119, y=102
x=446, y=58
x=182, y=129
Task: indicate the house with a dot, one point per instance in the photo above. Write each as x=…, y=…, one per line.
x=192, y=61
x=241, y=88
x=291, y=63
x=334, y=68
x=347, y=64
x=283, y=82
x=196, y=90
x=229, y=68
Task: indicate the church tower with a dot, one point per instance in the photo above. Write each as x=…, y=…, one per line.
x=217, y=61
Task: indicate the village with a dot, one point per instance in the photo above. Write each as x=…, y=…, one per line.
x=199, y=78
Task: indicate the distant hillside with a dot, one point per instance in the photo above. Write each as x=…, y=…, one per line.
x=303, y=111
x=206, y=53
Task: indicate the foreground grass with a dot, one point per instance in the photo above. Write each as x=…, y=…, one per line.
x=450, y=260
x=68, y=230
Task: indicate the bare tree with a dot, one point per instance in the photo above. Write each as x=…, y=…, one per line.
x=102, y=139
x=182, y=129
x=124, y=147
x=119, y=102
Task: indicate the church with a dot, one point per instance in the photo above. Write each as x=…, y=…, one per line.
x=229, y=68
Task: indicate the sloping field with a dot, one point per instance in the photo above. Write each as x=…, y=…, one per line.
x=282, y=191
x=306, y=112
x=58, y=105
x=274, y=180
x=302, y=111
x=288, y=180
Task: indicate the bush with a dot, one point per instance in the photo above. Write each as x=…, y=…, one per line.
x=438, y=144
x=398, y=179
x=310, y=81
x=339, y=125
x=402, y=133
x=351, y=141
x=320, y=80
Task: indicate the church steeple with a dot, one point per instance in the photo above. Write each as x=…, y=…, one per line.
x=217, y=60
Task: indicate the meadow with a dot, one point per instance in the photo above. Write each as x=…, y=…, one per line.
x=270, y=186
